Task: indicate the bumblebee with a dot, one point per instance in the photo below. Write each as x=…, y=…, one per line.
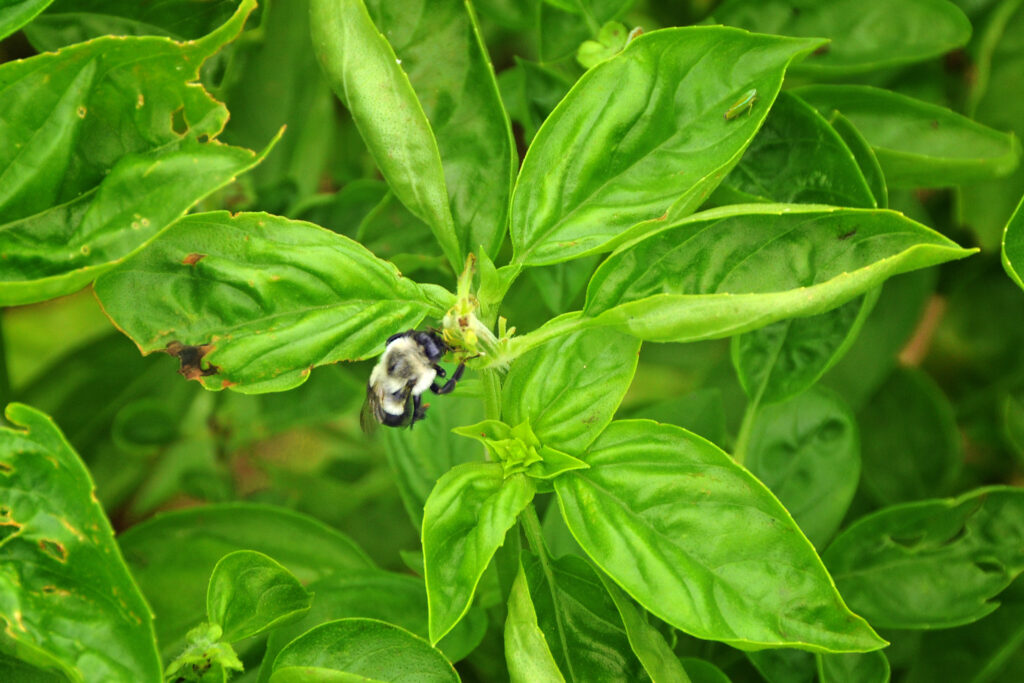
x=407, y=368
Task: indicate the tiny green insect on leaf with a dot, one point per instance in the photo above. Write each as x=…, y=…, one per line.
x=742, y=106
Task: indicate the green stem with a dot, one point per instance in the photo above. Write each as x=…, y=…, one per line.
x=556, y=327
x=743, y=438
x=5, y=377
x=535, y=537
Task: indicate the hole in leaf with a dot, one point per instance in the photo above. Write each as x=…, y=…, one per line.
x=54, y=549
x=191, y=359
x=178, y=123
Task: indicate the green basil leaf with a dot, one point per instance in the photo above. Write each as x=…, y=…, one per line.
x=807, y=451
x=734, y=269
x=1013, y=245
x=896, y=566
x=397, y=599
x=419, y=457
x=647, y=643
x=701, y=671
x=272, y=79
x=570, y=387
x=604, y=169
x=579, y=620
x=784, y=666
x=443, y=53
x=782, y=360
x=644, y=510
x=250, y=593
x=362, y=68
x=919, y=144
x=66, y=596
x=874, y=354
x=865, y=156
x=354, y=647
x=868, y=667
x=701, y=412
x=91, y=175
x=530, y=91
x=798, y=157
x=865, y=34
x=264, y=298
x=17, y=13
x=527, y=652
x=465, y=520
x=173, y=554
x=984, y=207
x=74, y=21
x=986, y=650
x=915, y=447
x=16, y=670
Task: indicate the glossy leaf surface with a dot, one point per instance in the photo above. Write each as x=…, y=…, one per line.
x=579, y=620
x=783, y=359
x=647, y=643
x=702, y=544
x=868, y=667
x=364, y=71
x=915, y=447
x=441, y=50
x=527, y=651
x=16, y=13
x=173, y=555
x=865, y=34
x=397, y=599
x=798, y=157
x=250, y=593
x=354, y=647
x=897, y=565
x=464, y=522
x=919, y=144
x=271, y=296
x=66, y=596
x=74, y=21
x=986, y=650
x=419, y=457
x=807, y=451
x=570, y=387
x=88, y=175
x=865, y=156
x=1013, y=245
x=734, y=269
x=637, y=140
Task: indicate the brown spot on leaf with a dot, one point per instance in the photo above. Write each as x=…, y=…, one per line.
x=823, y=50
x=848, y=235
x=192, y=259
x=662, y=217
x=227, y=383
x=191, y=359
x=54, y=549
x=5, y=468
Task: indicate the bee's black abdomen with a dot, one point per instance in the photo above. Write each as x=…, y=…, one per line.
x=395, y=420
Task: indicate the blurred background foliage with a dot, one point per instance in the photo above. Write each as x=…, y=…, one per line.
x=943, y=348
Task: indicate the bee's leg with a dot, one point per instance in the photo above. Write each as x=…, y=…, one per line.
x=419, y=411
x=440, y=371
x=449, y=386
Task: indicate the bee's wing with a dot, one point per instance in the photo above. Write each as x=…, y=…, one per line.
x=372, y=413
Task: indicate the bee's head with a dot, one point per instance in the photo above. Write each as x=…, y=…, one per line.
x=432, y=344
